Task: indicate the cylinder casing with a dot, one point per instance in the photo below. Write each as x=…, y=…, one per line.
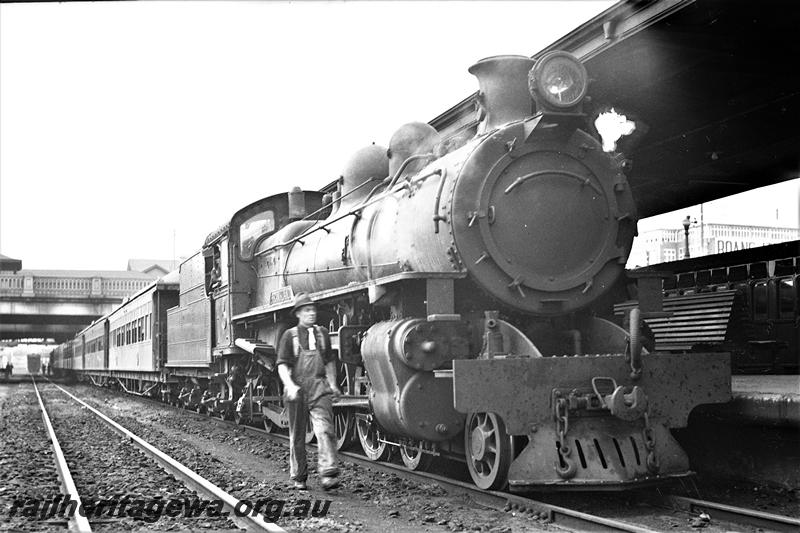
x=406, y=398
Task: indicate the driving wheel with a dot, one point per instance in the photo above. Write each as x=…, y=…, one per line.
x=488, y=450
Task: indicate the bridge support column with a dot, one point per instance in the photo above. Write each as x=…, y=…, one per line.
x=27, y=286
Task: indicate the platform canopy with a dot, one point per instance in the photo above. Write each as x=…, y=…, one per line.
x=713, y=86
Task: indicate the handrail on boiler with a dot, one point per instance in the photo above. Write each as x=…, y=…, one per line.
x=355, y=211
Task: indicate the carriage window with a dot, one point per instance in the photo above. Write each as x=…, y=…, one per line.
x=141, y=329
x=787, y=296
x=760, y=300
x=252, y=229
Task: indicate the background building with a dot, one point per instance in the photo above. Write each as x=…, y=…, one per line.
x=662, y=245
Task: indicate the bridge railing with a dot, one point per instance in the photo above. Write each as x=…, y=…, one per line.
x=11, y=285
x=61, y=287
x=31, y=286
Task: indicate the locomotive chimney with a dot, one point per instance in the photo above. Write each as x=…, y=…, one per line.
x=503, y=95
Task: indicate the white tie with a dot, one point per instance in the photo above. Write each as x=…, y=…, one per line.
x=312, y=342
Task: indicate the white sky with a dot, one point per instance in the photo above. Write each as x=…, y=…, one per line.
x=123, y=124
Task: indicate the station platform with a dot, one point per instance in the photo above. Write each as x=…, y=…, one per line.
x=754, y=437
x=762, y=399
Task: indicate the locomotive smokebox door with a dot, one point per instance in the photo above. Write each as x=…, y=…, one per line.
x=544, y=224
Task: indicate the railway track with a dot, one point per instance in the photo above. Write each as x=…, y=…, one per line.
x=27, y=469
x=231, y=508
x=695, y=510
x=76, y=521
x=736, y=515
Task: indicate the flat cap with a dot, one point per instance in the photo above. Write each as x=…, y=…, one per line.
x=301, y=299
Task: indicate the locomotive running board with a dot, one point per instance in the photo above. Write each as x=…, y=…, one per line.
x=520, y=389
x=260, y=311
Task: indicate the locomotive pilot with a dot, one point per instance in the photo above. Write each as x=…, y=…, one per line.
x=307, y=369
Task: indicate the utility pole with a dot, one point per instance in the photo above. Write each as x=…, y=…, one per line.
x=702, y=234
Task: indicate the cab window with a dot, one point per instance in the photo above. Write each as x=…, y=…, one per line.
x=253, y=228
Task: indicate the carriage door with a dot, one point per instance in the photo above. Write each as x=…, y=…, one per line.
x=105, y=340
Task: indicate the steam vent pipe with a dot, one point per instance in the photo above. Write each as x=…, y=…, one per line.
x=503, y=96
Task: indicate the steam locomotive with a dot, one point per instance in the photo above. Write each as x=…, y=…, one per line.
x=463, y=283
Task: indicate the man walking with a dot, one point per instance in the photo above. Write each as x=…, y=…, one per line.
x=307, y=369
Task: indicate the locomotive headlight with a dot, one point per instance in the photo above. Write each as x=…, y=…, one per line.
x=558, y=81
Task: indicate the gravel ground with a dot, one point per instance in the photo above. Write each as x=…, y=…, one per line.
x=27, y=468
x=253, y=468
x=107, y=468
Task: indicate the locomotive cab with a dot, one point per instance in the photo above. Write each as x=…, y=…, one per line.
x=231, y=256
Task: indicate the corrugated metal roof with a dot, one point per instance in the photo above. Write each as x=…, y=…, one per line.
x=145, y=265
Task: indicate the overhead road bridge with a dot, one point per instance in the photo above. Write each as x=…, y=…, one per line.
x=56, y=304
x=710, y=84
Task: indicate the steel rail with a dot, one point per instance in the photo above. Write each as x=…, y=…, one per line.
x=192, y=479
x=502, y=501
x=77, y=521
x=737, y=515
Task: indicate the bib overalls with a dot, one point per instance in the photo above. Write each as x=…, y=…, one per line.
x=314, y=400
